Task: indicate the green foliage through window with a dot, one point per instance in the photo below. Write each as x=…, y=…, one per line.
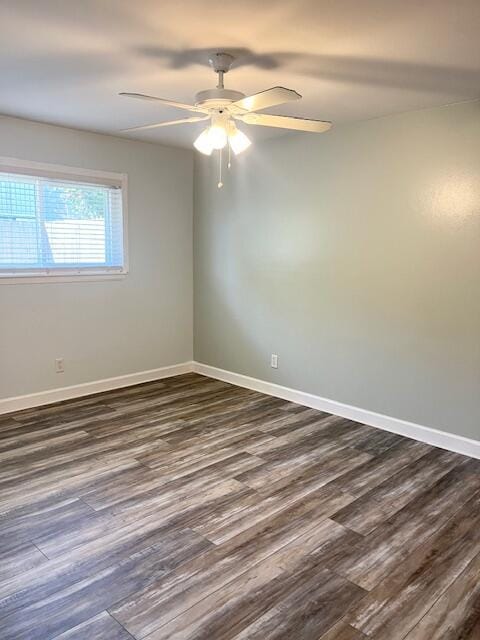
x=77, y=203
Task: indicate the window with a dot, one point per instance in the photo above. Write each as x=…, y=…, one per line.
x=60, y=222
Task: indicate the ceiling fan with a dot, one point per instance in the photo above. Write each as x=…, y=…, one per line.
x=224, y=107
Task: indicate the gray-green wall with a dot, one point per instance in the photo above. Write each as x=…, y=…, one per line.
x=109, y=328
x=355, y=256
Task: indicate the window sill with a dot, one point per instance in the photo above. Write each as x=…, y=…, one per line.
x=61, y=279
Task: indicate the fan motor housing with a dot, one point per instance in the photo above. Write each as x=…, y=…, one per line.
x=217, y=98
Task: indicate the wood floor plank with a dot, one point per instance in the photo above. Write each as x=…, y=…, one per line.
x=393, y=608
x=328, y=464
x=342, y=631
x=146, y=524
x=61, y=482
x=374, y=441
x=101, y=627
x=134, y=481
x=382, y=502
x=312, y=606
x=18, y=557
x=46, y=446
x=188, y=508
x=373, y=559
x=284, y=538
x=456, y=614
x=299, y=457
x=221, y=614
x=287, y=421
x=284, y=578
x=321, y=430
x=24, y=523
x=82, y=600
x=325, y=501
x=370, y=474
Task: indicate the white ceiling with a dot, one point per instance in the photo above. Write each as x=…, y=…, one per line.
x=64, y=61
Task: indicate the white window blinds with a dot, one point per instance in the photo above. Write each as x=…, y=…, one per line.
x=57, y=226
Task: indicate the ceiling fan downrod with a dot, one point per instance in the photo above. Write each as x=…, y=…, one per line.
x=220, y=63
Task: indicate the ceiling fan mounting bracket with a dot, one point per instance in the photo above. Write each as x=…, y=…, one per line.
x=221, y=61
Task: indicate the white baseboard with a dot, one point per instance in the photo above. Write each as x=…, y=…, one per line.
x=442, y=439
x=7, y=405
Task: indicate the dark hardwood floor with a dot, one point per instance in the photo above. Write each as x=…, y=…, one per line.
x=189, y=508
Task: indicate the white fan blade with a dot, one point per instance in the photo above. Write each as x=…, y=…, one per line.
x=166, y=124
x=170, y=103
x=284, y=122
x=264, y=99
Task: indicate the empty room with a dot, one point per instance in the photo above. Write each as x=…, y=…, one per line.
x=239, y=320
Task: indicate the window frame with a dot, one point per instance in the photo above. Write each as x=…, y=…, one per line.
x=56, y=171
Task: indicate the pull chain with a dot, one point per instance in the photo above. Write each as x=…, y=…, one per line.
x=229, y=156
x=220, y=183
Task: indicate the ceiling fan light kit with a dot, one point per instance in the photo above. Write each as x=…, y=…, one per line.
x=202, y=143
x=221, y=132
x=238, y=141
x=222, y=107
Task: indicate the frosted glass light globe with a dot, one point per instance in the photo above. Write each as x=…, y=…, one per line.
x=217, y=136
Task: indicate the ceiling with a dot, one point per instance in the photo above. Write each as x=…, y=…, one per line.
x=64, y=61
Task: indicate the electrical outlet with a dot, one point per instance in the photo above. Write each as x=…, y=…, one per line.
x=59, y=365
x=274, y=361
